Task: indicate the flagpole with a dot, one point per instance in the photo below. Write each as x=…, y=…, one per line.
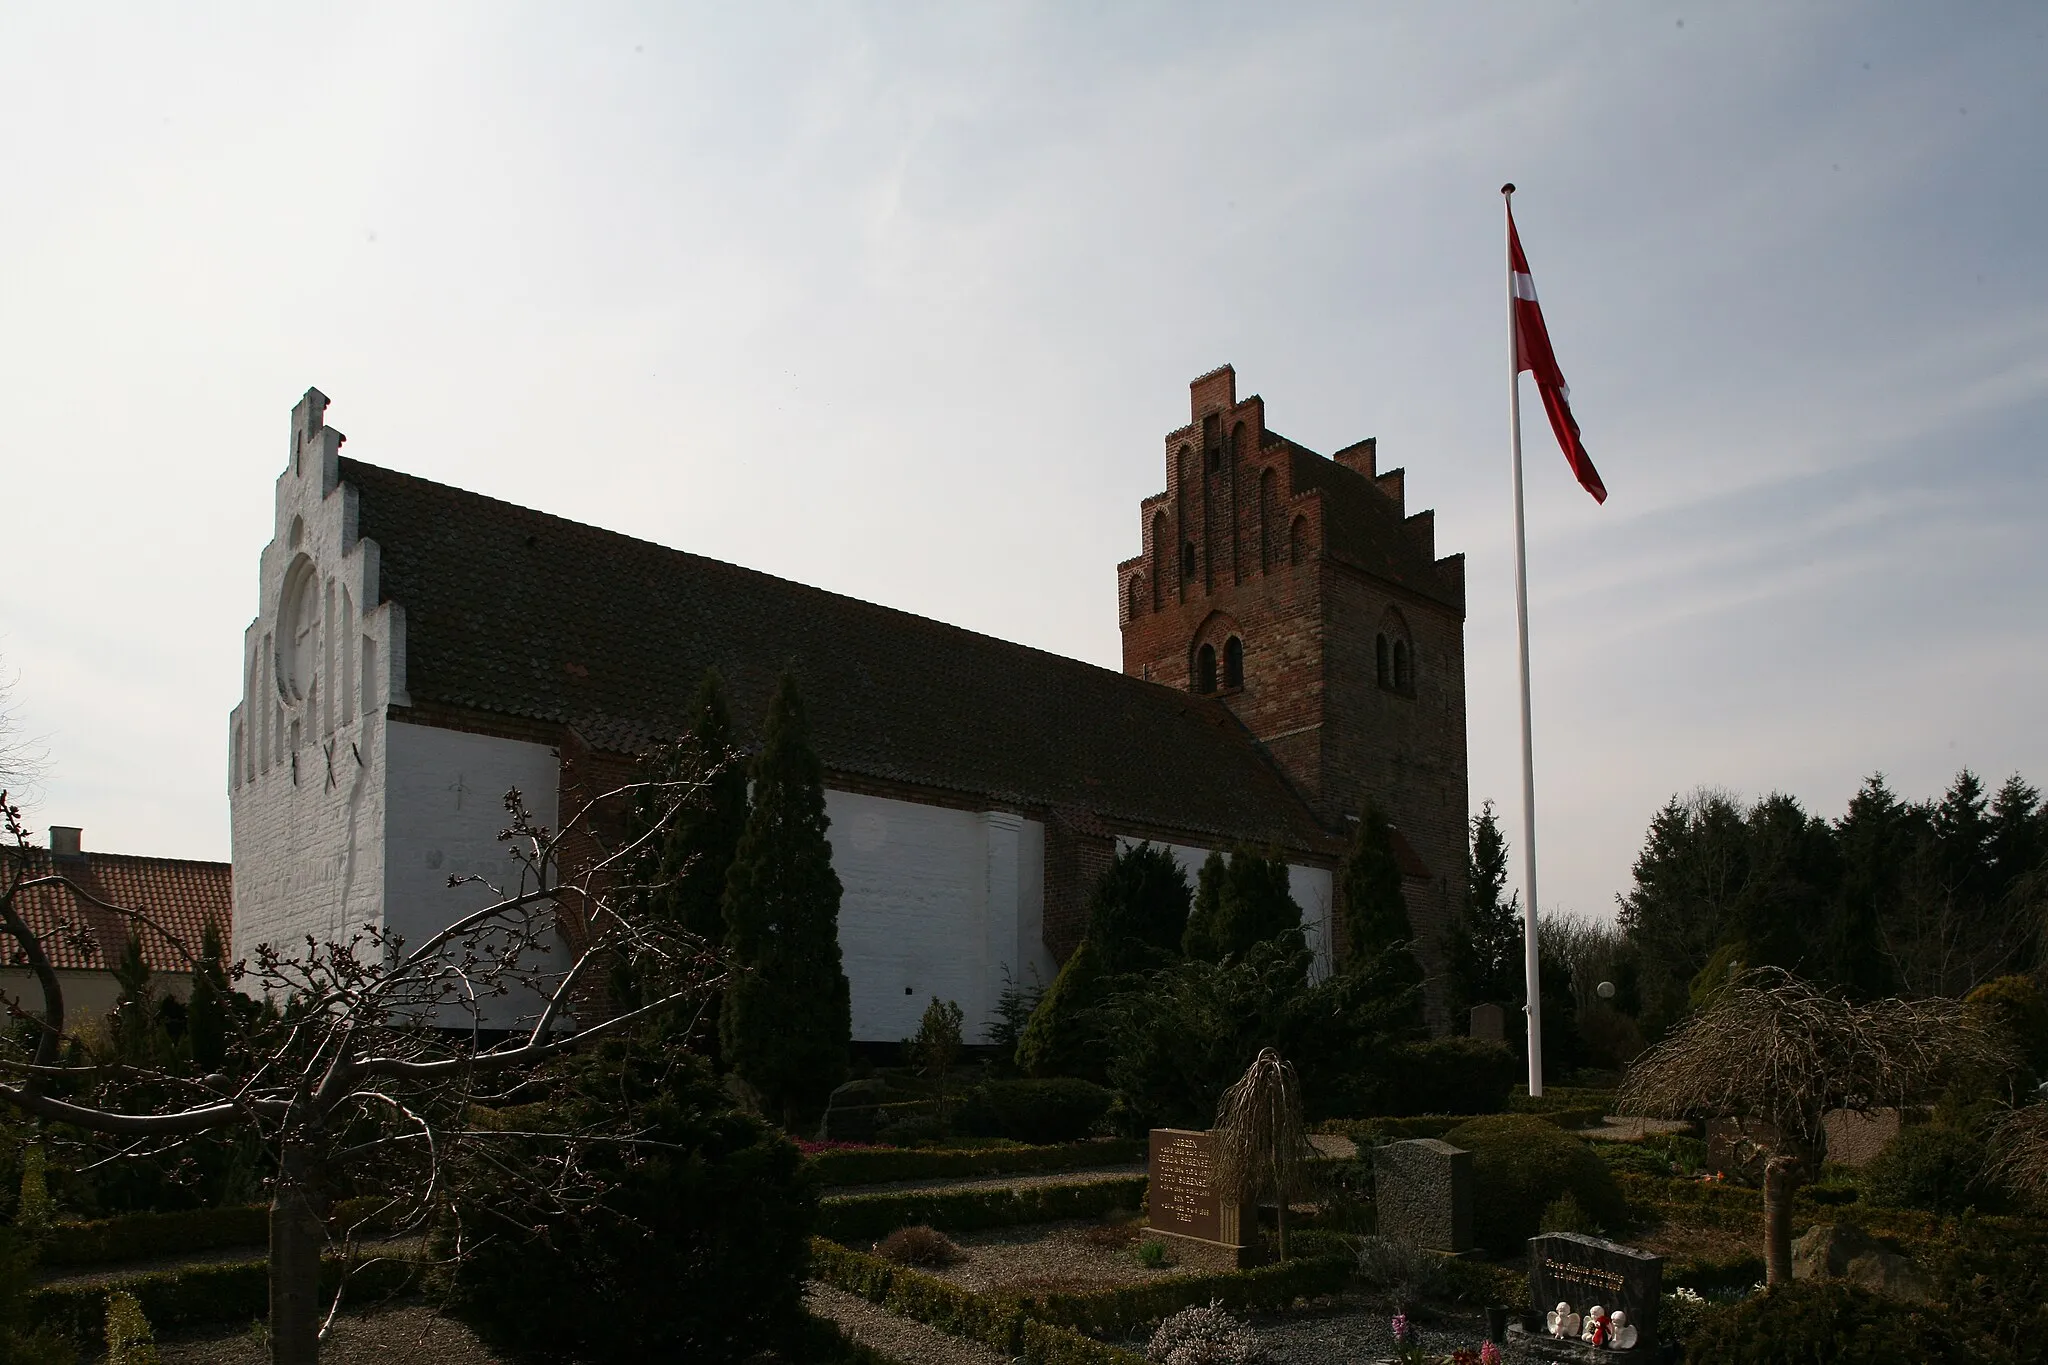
x=1531, y=981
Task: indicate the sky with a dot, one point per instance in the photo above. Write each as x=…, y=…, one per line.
x=900, y=300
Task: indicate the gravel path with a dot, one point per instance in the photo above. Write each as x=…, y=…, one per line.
x=397, y=1336
x=1049, y=1258
x=880, y=1330
x=1088, y=1176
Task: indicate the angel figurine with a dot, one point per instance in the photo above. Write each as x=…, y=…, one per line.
x=1594, y=1330
x=1622, y=1334
x=1562, y=1321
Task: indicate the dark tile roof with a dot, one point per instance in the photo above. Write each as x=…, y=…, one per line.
x=179, y=894
x=1362, y=527
x=522, y=614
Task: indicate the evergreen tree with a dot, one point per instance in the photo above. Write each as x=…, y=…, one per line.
x=1139, y=910
x=1781, y=914
x=1375, y=913
x=1256, y=905
x=786, y=1020
x=1200, y=939
x=1869, y=843
x=1484, y=948
x=206, y=1024
x=1063, y=1037
x=2018, y=845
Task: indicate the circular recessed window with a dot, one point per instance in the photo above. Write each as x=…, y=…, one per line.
x=298, y=629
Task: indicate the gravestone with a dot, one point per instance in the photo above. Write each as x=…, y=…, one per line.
x=1184, y=1208
x=1422, y=1191
x=1490, y=1023
x=1585, y=1273
x=853, y=1111
x=1855, y=1139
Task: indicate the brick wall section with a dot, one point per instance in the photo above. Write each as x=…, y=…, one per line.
x=1309, y=624
x=1078, y=851
x=586, y=775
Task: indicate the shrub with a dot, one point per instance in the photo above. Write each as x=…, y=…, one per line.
x=21, y=1344
x=1563, y=1214
x=695, y=1250
x=2018, y=1004
x=1139, y=910
x=863, y=1217
x=1519, y=1165
x=1828, y=1322
x=1153, y=1255
x=881, y=1165
x=1452, y=1076
x=1204, y=1336
x=1061, y=1037
x=1403, y=1269
x=129, y=1338
x=140, y=1236
x=35, y=1210
x=1055, y=1109
x=1934, y=1167
x=918, y=1245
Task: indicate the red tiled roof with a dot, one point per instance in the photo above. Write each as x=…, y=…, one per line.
x=177, y=893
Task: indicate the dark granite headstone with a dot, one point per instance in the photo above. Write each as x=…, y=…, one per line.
x=1183, y=1204
x=1490, y=1023
x=1565, y=1267
x=1422, y=1190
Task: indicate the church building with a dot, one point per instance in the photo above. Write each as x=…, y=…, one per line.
x=1292, y=648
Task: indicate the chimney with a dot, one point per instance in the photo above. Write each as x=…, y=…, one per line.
x=67, y=841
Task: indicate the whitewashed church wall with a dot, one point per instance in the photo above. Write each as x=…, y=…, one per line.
x=446, y=805
x=934, y=903
x=1311, y=887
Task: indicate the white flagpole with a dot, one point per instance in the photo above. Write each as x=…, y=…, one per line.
x=1534, y=1007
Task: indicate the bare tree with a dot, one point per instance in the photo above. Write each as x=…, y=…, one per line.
x=2021, y=1142
x=1261, y=1143
x=22, y=760
x=1772, y=1049
x=371, y=1067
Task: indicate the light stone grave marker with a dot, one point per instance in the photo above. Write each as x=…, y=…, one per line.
x=1422, y=1191
x=1186, y=1210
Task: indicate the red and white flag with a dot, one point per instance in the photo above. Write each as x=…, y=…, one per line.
x=1533, y=353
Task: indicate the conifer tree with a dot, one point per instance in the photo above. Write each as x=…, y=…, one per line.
x=786, y=1020
x=1140, y=907
x=1375, y=914
x=1484, y=947
x=206, y=1025
x=1062, y=1037
x=1200, y=940
x=703, y=836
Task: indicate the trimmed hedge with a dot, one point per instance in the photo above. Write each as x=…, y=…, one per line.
x=1128, y=1309
x=1520, y=1163
x=1047, y=1110
x=140, y=1236
x=885, y=1165
x=201, y=1295
x=1058, y=1329
x=865, y=1217
x=1372, y=1132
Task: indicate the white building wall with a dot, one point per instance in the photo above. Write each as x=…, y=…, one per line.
x=446, y=805
x=1311, y=887
x=935, y=902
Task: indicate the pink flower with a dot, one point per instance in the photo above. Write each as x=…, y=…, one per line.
x=1400, y=1329
x=1489, y=1354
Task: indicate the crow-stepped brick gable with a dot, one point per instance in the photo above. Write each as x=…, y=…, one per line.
x=420, y=648
x=1297, y=592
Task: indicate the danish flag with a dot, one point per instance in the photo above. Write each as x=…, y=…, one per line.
x=1533, y=353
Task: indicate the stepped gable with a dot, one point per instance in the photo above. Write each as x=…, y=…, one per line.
x=179, y=894
x=1364, y=527
x=522, y=614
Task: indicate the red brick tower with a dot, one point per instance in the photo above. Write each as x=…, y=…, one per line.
x=1295, y=589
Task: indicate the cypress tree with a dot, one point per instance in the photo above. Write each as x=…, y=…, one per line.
x=1256, y=904
x=1484, y=947
x=1139, y=909
x=1062, y=1037
x=206, y=1028
x=786, y=1020
x=1375, y=914
x=1200, y=938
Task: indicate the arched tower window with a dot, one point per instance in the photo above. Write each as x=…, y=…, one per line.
x=1233, y=662
x=1394, y=652
x=1187, y=559
x=1205, y=669
x=1297, y=541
